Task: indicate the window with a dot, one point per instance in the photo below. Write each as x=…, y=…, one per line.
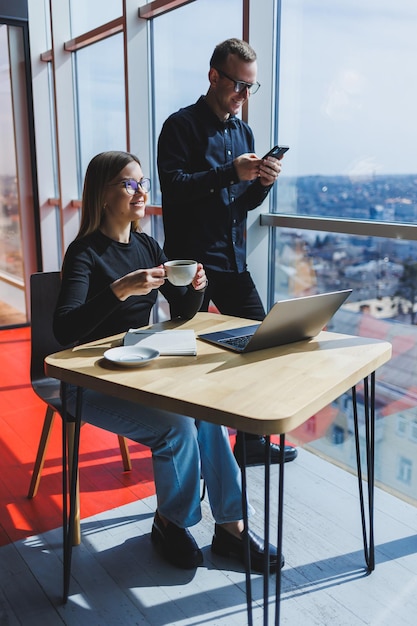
x=404, y=471
x=381, y=272
x=352, y=137
x=100, y=89
x=342, y=185
x=337, y=434
x=88, y=15
x=16, y=189
x=413, y=430
x=11, y=262
x=402, y=426
x=183, y=42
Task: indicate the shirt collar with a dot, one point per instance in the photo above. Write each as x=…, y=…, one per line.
x=231, y=122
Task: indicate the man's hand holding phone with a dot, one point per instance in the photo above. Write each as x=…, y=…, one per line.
x=248, y=166
x=277, y=152
x=271, y=168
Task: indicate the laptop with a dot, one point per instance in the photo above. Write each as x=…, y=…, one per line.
x=287, y=321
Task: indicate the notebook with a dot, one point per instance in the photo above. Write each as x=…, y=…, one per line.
x=287, y=321
x=167, y=342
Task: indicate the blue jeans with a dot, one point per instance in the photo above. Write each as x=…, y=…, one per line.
x=183, y=450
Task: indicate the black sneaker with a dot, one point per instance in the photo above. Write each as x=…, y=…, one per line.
x=177, y=545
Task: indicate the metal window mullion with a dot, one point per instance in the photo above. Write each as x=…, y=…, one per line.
x=366, y=228
x=63, y=77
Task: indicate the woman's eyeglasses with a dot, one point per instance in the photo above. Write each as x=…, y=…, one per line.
x=240, y=85
x=133, y=186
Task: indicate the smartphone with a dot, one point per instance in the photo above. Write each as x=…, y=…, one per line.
x=276, y=151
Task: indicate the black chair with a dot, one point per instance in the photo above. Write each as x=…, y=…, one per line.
x=44, y=290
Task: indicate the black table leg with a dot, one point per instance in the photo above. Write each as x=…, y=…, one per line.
x=68, y=519
x=267, y=484
x=246, y=550
x=64, y=487
x=369, y=420
x=280, y=524
x=266, y=568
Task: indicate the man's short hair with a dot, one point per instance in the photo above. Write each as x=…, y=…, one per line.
x=232, y=46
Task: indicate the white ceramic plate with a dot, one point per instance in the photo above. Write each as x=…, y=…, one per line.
x=131, y=356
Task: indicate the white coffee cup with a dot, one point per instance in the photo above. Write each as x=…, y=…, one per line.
x=180, y=272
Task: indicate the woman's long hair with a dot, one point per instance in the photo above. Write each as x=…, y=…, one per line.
x=101, y=170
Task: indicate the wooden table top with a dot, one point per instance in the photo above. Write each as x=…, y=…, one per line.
x=266, y=392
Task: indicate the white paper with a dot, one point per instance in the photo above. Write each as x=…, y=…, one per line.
x=167, y=342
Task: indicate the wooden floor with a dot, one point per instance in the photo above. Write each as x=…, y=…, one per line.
x=118, y=578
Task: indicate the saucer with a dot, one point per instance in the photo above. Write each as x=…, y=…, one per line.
x=131, y=356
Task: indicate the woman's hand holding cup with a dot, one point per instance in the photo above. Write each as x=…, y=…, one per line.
x=200, y=279
x=184, y=272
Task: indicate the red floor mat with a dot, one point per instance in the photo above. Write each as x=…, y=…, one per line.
x=103, y=483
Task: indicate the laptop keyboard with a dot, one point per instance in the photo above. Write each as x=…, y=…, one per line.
x=237, y=342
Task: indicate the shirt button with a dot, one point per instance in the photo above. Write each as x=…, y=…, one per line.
x=232, y=182
x=229, y=152
x=211, y=190
x=232, y=199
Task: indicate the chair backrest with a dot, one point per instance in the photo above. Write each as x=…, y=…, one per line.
x=44, y=290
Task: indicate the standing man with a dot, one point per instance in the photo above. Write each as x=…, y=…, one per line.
x=210, y=178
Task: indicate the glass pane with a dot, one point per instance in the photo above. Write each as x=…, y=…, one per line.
x=53, y=128
x=12, y=302
x=180, y=77
x=86, y=16
x=383, y=305
x=47, y=13
x=101, y=99
x=347, y=108
x=183, y=42
x=375, y=268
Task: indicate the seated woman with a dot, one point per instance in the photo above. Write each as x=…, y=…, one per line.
x=111, y=276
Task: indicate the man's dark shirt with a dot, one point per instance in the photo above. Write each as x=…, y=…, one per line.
x=204, y=205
